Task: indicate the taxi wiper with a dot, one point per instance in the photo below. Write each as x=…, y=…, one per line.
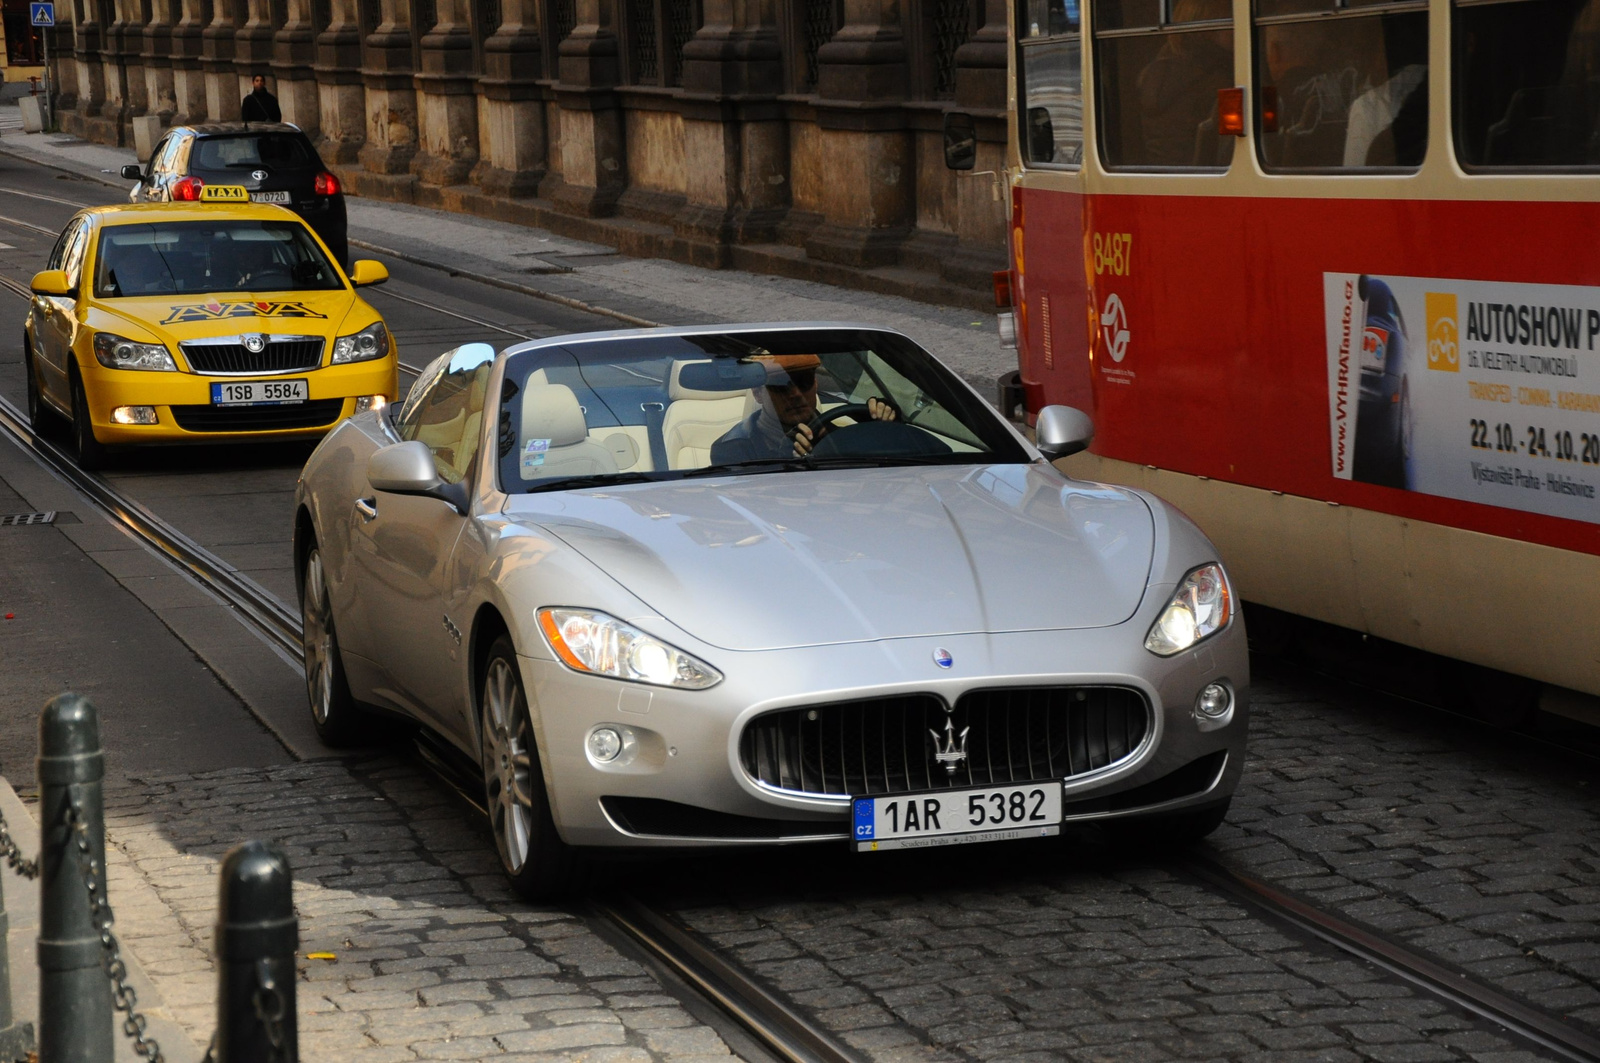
x=604, y=479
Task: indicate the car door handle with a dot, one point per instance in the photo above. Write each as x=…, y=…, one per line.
x=367, y=509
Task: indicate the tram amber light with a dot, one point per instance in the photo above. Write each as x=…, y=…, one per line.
x=1230, y=111
x=133, y=415
x=1002, y=289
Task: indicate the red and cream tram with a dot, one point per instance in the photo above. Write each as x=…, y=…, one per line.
x=1327, y=275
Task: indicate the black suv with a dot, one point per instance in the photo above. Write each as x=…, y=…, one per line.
x=274, y=161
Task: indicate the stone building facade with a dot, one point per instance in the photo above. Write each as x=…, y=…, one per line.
x=793, y=136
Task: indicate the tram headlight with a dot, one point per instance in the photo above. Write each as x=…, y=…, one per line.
x=1201, y=607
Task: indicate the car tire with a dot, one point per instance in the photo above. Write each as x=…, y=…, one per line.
x=92, y=453
x=334, y=711
x=36, y=408
x=540, y=865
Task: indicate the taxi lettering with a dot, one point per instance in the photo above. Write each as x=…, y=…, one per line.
x=217, y=311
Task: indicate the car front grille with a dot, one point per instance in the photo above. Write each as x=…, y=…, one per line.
x=891, y=745
x=312, y=414
x=278, y=356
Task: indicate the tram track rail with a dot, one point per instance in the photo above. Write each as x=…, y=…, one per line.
x=779, y=1028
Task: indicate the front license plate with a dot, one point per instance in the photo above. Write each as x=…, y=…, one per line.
x=957, y=817
x=269, y=197
x=258, y=393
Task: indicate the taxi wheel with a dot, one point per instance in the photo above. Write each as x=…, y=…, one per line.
x=540, y=865
x=92, y=453
x=333, y=709
x=36, y=407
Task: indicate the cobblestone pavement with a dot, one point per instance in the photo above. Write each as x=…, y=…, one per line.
x=397, y=878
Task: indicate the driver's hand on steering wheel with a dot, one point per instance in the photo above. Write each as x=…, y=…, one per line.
x=802, y=440
x=805, y=438
x=880, y=410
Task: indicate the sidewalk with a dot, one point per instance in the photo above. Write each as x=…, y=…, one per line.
x=651, y=289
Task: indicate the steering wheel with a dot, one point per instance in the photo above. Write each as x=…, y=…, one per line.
x=858, y=410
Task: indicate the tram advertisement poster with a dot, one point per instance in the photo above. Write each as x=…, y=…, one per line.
x=1475, y=390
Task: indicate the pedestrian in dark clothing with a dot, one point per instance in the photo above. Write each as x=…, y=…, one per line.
x=260, y=105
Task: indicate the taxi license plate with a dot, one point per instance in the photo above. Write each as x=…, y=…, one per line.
x=269, y=197
x=957, y=817
x=258, y=393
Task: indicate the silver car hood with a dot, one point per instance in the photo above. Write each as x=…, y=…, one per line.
x=799, y=559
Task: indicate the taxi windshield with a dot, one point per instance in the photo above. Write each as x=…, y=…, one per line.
x=206, y=256
x=673, y=407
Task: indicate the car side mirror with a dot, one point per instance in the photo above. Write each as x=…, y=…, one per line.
x=408, y=469
x=1063, y=430
x=132, y=172
x=52, y=282
x=366, y=271
x=960, y=141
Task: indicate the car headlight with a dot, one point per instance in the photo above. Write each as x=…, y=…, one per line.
x=371, y=342
x=114, y=352
x=593, y=642
x=1201, y=607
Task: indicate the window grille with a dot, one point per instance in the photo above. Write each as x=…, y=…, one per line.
x=642, y=41
x=371, y=16
x=680, y=29
x=952, y=23
x=321, y=15
x=488, y=18
x=426, y=14
x=563, y=17
x=821, y=23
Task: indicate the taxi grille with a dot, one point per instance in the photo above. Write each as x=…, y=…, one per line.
x=312, y=414
x=884, y=746
x=278, y=356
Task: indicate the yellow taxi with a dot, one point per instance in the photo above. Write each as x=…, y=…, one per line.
x=201, y=322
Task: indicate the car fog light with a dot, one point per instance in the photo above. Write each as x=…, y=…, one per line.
x=133, y=415
x=1214, y=701
x=370, y=402
x=604, y=744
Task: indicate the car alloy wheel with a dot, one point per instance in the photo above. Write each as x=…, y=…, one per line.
x=333, y=709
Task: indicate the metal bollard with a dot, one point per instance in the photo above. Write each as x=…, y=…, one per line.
x=257, y=935
x=74, y=994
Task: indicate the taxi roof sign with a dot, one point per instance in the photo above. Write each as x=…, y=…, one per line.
x=42, y=14
x=224, y=194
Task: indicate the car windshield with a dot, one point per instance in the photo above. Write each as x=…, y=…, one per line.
x=670, y=407
x=193, y=257
x=245, y=151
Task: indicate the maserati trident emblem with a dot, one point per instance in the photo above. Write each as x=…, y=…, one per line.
x=254, y=342
x=946, y=752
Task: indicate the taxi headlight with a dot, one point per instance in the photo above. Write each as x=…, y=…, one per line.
x=114, y=352
x=593, y=642
x=1201, y=607
x=371, y=342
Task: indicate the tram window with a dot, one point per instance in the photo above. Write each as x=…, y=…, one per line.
x=1343, y=93
x=1527, y=84
x=1157, y=73
x=1051, y=84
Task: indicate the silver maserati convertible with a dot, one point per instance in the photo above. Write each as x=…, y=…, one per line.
x=762, y=584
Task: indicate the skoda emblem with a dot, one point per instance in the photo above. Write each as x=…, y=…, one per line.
x=255, y=343
x=942, y=658
x=259, y=175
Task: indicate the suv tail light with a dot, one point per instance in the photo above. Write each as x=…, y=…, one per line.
x=188, y=189
x=327, y=184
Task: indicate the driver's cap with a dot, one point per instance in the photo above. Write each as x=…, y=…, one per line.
x=779, y=366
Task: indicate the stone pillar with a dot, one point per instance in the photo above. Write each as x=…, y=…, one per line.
x=136, y=16
x=91, y=94
x=513, y=141
x=294, y=50
x=981, y=213
x=735, y=136
x=865, y=142
x=391, y=101
x=108, y=125
x=341, y=98
x=253, y=48
x=447, y=102
x=216, y=59
x=64, y=65
x=188, y=75
x=156, y=58
x=593, y=142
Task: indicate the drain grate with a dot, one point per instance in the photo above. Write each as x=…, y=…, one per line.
x=17, y=519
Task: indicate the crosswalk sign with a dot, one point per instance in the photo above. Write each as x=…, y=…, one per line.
x=42, y=14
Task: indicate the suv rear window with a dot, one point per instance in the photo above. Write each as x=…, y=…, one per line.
x=250, y=149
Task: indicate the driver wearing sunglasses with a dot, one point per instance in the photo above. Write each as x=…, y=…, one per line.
x=785, y=423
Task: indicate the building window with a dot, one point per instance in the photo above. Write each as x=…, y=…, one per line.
x=1049, y=83
x=563, y=17
x=952, y=25
x=642, y=42
x=1159, y=64
x=424, y=16
x=819, y=22
x=1526, y=91
x=371, y=15
x=487, y=13
x=681, y=25
x=1341, y=84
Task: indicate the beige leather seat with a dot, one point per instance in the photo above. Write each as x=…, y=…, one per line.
x=696, y=419
x=552, y=421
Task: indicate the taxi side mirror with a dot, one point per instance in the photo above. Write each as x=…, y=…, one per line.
x=365, y=271
x=1063, y=430
x=52, y=282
